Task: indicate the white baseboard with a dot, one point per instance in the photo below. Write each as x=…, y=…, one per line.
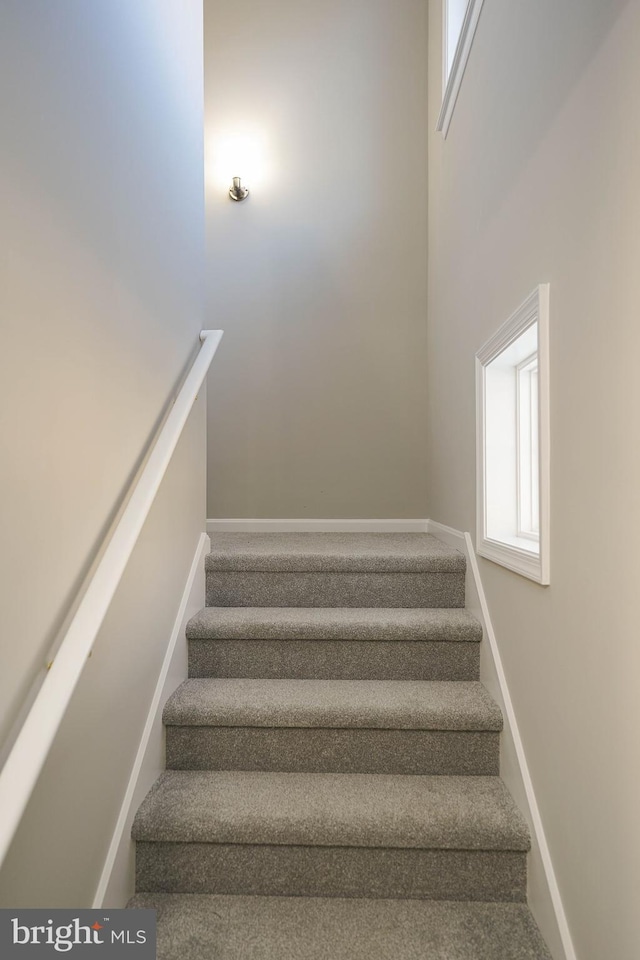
x=116, y=882
x=315, y=526
x=544, y=895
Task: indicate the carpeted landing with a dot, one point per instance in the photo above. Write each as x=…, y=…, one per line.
x=332, y=788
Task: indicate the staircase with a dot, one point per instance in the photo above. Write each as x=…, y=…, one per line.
x=332, y=788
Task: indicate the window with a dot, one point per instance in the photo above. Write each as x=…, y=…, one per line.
x=460, y=20
x=455, y=11
x=528, y=525
x=513, y=441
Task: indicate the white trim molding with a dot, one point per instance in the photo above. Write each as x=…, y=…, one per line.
x=453, y=81
x=543, y=893
x=315, y=526
x=116, y=884
x=528, y=557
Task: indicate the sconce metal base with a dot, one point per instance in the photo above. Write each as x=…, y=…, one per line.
x=237, y=191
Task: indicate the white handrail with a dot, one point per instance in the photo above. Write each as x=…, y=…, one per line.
x=29, y=752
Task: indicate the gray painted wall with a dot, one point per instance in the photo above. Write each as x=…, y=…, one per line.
x=101, y=292
x=539, y=180
x=319, y=278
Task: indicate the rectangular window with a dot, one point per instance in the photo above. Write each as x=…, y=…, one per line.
x=460, y=20
x=513, y=441
x=455, y=11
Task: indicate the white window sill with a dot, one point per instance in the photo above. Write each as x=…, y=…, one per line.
x=520, y=555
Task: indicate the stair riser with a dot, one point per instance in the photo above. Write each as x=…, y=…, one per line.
x=330, y=871
x=294, y=589
x=334, y=659
x=311, y=750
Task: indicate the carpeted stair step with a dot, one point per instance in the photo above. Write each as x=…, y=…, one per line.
x=340, y=726
x=333, y=569
x=192, y=927
x=343, y=643
x=341, y=835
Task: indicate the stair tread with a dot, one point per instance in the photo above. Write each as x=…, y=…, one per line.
x=335, y=623
x=198, y=927
x=385, y=704
x=379, y=552
x=320, y=809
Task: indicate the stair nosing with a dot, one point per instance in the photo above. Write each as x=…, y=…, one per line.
x=374, y=624
x=333, y=553
x=180, y=808
x=477, y=712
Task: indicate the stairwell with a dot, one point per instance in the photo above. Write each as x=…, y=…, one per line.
x=332, y=788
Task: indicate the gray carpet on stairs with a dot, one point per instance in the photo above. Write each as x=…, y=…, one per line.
x=360, y=835
x=331, y=750
x=335, y=623
x=192, y=927
x=332, y=785
x=333, y=643
x=335, y=659
x=389, y=704
x=333, y=588
x=470, y=813
x=289, y=552
x=333, y=570
x=346, y=726
x=318, y=871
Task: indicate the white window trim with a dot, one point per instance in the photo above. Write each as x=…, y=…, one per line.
x=528, y=564
x=453, y=82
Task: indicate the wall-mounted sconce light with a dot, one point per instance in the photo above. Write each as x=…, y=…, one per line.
x=237, y=149
x=237, y=191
